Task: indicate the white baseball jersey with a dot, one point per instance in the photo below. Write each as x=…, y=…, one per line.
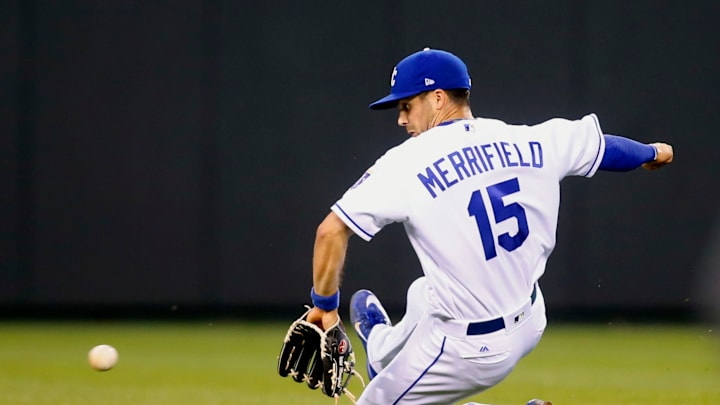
x=479, y=201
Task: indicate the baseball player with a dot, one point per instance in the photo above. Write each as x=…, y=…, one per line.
x=479, y=201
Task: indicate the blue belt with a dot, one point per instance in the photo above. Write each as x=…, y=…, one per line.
x=494, y=325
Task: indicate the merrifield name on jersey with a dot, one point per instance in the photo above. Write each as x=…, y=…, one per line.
x=473, y=160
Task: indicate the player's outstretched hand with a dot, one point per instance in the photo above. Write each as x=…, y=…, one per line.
x=664, y=156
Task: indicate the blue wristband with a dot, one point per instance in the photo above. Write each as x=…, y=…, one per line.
x=325, y=302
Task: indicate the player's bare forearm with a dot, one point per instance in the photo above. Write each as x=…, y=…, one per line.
x=664, y=156
x=331, y=241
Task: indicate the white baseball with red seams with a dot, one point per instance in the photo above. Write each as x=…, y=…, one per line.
x=103, y=357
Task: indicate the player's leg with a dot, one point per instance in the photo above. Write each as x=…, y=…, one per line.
x=385, y=341
x=429, y=370
x=399, y=374
x=442, y=365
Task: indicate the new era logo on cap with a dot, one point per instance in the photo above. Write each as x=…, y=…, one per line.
x=422, y=71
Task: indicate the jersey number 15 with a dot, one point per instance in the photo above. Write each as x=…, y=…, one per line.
x=501, y=212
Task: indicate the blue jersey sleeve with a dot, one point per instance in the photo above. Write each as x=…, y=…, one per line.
x=623, y=154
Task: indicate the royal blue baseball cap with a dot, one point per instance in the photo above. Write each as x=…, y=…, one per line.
x=423, y=71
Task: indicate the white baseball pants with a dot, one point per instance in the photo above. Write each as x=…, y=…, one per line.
x=425, y=360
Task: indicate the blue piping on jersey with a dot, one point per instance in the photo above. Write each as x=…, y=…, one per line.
x=442, y=124
x=353, y=222
x=600, y=134
x=442, y=349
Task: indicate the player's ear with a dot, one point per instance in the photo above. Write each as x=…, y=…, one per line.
x=440, y=98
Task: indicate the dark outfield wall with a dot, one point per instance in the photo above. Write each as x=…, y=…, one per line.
x=183, y=153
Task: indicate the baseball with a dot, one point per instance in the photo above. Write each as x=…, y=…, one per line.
x=102, y=357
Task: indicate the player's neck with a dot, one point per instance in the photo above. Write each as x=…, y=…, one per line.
x=452, y=115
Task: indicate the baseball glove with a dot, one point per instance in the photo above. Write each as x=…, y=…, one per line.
x=318, y=358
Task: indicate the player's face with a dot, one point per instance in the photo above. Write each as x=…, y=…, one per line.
x=416, y=114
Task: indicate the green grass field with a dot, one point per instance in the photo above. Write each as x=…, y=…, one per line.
x=231, y=362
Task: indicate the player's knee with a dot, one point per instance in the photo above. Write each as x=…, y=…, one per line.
x=417, y=290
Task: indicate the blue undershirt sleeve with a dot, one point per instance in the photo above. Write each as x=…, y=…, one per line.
x=623, y=154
